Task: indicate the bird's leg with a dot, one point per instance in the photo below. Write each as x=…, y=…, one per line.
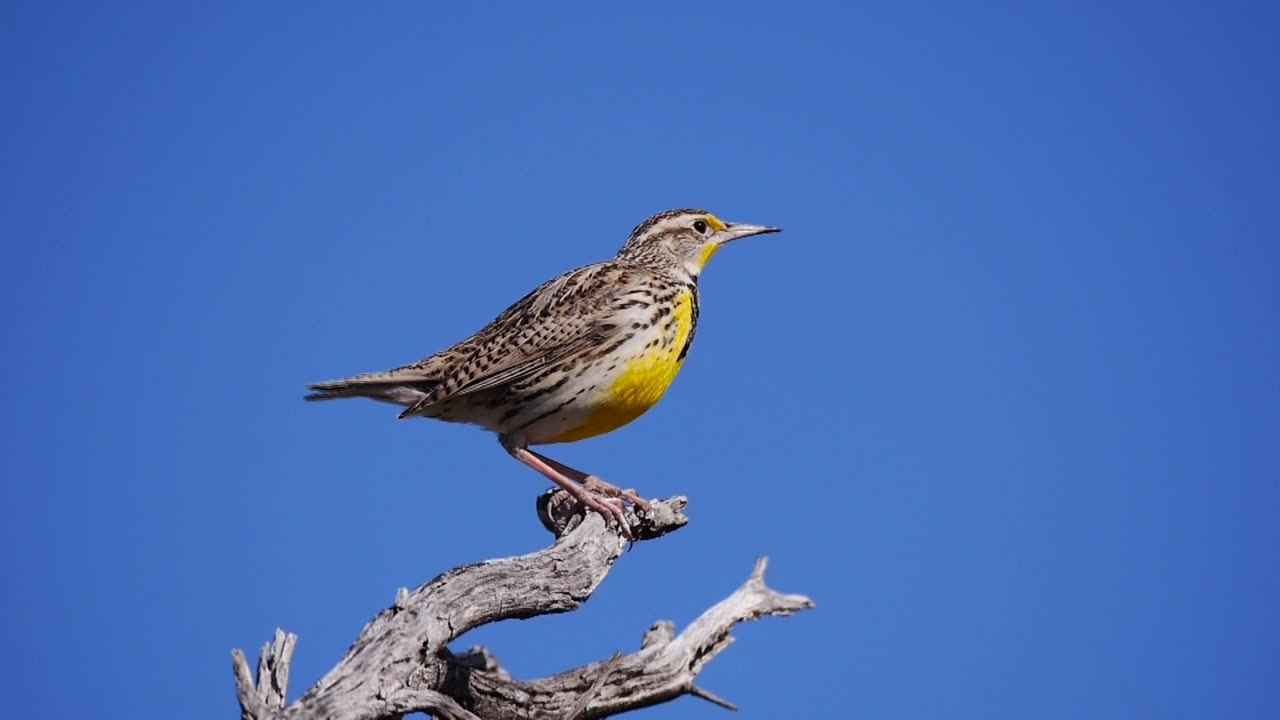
x=594, y=483
x=606, y=508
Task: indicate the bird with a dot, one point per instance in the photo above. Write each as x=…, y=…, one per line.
x=581, y=355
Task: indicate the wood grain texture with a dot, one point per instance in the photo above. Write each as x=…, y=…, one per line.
x=401, y=663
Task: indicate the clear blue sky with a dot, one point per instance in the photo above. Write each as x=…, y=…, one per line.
x=1002, y=398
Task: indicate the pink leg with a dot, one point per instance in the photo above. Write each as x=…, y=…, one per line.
x=606, y=509
x=594, y=483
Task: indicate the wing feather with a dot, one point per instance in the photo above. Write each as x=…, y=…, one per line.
x=560, y=318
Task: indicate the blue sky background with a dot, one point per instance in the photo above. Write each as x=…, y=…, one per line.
x=1002, y=397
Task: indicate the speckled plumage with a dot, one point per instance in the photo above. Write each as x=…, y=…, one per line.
x=580, y=355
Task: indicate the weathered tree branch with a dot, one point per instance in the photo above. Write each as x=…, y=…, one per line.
x=400, y=663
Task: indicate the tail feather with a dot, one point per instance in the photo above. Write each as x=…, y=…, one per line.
x=389, y=387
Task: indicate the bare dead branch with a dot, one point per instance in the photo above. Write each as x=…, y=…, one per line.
x=580, y=705
x=400, y=663
x=711, y=698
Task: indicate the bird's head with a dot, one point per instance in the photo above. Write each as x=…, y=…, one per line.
x=685, y=238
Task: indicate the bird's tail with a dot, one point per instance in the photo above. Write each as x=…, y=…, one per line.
x=395, y=386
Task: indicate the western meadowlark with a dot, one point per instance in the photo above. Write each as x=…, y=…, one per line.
x=583, y=354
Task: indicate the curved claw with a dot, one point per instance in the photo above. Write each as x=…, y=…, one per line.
x=582, y=490
x=608, y=510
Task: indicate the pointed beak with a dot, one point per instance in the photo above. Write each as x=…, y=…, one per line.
x=735, y=231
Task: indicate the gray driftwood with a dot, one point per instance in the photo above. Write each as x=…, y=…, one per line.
x=401, y=662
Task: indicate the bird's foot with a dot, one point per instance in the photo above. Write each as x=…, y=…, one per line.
x=593, y=483
x=608, y=507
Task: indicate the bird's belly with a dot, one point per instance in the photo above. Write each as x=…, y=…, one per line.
x=626, y=396
x=626, y=384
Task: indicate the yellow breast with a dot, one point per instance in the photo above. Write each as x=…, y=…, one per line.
x=642, y=379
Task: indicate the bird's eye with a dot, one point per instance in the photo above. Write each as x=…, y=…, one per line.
x=700, y=226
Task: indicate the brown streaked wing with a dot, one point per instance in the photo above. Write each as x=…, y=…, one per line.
x=558, y=319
